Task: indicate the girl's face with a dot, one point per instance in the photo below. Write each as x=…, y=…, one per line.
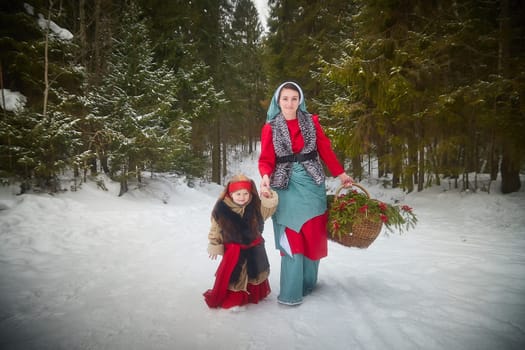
x=289, y=102
x=240, y=197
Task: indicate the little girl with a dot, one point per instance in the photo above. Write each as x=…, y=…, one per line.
x=237, y=222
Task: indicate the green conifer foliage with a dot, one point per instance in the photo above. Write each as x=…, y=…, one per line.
x=39, y=142
x=426, y=89
x=135, y=106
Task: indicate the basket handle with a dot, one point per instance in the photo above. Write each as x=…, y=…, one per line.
x=353, y=185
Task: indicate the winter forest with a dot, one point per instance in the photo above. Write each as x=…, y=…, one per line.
x=427, y=89
x=121, y=121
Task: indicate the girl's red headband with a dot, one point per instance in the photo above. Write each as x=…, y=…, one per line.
x=240, y=185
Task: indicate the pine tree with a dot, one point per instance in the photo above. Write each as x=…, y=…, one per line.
x=301, y=34
x=192, y=39
x=245, y=86
x=422, y=91
x=135, y=106
x=38, y=60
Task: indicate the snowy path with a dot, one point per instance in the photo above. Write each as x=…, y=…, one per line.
x=89, y=270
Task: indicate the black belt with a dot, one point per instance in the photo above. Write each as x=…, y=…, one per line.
x=298, y=157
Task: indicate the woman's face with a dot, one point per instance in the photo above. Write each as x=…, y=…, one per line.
x=289, y=102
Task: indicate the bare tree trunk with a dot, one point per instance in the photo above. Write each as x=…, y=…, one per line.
x=123, y=181
x=104, y=163
x=493, y=159
x=224, y=159
x=422, y=170
x=510, y=173
x=381, y=164
x=395, y=164
x=82, y=33
x=96, y=49
x=216, y=152
x=2, y=88
x=46, y=60
x=357, y=169
x=9, y=155
x=60, y=7
x=102, y=38
x=510, y=162
x=396, y=180
x=412, y=167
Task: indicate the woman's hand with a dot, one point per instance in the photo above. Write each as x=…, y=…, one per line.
x=265, y=186
x=346, y=180
x=213, y=256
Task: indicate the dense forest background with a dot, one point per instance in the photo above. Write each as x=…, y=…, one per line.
x=427, y=89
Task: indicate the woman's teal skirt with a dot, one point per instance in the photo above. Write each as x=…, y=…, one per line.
x=301, y=201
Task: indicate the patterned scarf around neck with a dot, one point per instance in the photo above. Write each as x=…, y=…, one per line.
x=283, y=147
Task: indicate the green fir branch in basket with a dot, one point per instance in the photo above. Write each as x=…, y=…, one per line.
x=355, y=206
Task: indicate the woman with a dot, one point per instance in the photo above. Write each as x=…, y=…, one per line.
x=292, y=141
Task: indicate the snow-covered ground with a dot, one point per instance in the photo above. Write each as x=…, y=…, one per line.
x=91, y=270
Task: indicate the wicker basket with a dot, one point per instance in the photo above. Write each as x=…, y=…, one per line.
x=360, y=234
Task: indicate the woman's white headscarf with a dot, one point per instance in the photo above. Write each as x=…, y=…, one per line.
x=274, y=109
